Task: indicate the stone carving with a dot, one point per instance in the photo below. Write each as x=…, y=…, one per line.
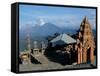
x=85, y=43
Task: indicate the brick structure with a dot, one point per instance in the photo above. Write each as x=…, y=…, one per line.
x=85, y=43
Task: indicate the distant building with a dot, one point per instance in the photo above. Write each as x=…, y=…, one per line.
x=43, y=47
x=38, y=49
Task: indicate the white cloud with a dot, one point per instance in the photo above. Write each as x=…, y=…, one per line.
x=66, y=20
x=40, y=21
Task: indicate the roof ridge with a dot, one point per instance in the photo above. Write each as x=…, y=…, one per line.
x=62, y=36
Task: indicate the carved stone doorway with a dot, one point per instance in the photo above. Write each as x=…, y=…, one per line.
x=88, y=55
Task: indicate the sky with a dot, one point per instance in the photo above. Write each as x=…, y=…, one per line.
x=64, y=17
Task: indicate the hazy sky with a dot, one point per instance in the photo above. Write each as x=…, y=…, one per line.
x=60, y=16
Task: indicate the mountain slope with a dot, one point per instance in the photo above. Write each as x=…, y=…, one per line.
x=44, y=30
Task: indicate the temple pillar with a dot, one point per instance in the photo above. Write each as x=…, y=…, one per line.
x=81, y=56
x=92, y=55
x=79, y=61
x=84, y=56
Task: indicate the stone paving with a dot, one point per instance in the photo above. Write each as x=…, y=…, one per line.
x=49, y=65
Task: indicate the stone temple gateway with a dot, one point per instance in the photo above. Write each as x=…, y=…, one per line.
x=85, y=43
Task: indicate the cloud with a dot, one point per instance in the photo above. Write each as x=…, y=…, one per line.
x=40, y=21
x=64, y=20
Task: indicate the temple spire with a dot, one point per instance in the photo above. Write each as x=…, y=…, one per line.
x=86, y=42
x=85, y=19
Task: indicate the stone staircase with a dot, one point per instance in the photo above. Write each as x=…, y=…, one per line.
x=41, y=58
x=44, y=60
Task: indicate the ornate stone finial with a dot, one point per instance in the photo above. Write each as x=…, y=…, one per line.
x=85, y=19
